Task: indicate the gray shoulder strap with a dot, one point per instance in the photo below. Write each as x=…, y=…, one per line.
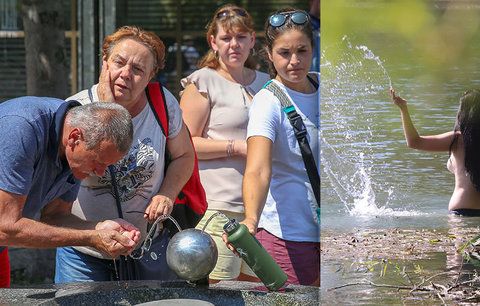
x=279, y=93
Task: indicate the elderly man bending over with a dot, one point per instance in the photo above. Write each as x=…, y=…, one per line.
x=46, y=146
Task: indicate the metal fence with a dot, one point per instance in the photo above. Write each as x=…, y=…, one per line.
x=178, y=22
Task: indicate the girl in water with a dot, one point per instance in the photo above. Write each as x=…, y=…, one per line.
x=463, y=145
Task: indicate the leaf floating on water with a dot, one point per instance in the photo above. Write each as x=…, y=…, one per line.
x=433, y=241
x=472, y=242
x=384, y=270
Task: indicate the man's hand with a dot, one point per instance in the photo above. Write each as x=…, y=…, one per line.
x=116, y=237
x=159, y=205
x=104, y=90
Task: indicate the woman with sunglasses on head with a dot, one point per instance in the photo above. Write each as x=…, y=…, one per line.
x=280, y=205
x=462, y=145
x=215, y=105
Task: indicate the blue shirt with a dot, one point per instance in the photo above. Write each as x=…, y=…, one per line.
x=31, y=131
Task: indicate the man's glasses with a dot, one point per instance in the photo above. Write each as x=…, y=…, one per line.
x=231, y=12
x=297, y=17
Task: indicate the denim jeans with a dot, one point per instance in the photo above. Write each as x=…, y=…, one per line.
x=74, y=266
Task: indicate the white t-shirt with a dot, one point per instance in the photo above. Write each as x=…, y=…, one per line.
x=290, y=208
x=139, y=174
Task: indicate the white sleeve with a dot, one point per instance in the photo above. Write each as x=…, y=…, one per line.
x=264, y=115
x=83, y=96
x=174, y=114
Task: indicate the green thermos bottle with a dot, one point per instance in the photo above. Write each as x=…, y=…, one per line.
x=253, y=253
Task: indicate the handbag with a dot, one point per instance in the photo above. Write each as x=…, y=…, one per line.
x=191, y=203
x=300, y=132
x=150, y=266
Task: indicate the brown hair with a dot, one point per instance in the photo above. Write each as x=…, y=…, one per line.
x=148, y=39
x=271, y=34
x=467, y=122
x=232, y=21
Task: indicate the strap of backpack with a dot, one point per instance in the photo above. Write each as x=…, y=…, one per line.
x=158, y=103
x=111, y=169
x=301, y=135
x=113, y=179
x=313, y=82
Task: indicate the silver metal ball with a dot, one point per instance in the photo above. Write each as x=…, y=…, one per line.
x=192, y=254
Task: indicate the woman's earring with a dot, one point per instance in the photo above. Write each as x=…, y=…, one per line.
x=77, y=142
x=254, y=52
x=215, y=52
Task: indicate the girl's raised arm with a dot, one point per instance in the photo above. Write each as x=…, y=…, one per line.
x=439, y=142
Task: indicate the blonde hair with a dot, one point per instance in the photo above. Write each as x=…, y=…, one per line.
x=148, y=39
x=231, y=22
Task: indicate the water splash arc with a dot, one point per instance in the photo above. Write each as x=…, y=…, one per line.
x=354, y=80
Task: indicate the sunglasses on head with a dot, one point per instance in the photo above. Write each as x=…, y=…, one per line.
x=231, y=12
x=279, y=19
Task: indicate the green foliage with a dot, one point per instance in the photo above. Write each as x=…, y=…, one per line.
x=470, y=251
x=439, y=33
x=441, y=37
x=418, y=269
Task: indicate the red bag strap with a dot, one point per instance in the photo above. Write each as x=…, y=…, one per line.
x=193, y=188
x=158, y=103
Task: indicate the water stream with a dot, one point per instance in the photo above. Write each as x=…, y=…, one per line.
x=352, y=90
x=145, y=247
x=217, y=214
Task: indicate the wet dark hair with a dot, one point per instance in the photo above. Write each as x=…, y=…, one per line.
x=271, y=34
x=468, y=124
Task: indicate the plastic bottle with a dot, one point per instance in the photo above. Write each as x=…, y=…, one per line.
x=253, y=253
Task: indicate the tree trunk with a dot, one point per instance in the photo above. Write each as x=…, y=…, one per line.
x=46, y=61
